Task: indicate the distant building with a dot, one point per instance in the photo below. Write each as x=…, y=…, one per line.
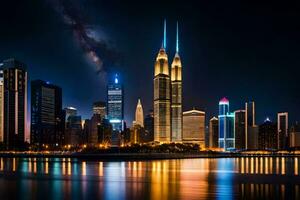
x=94, y=125
x=139, y=114
x=104, y=132
x=135, y=134
x=115, y=104
x=15, y=103
x=47, y=123
x=240, y=129
x=149, y=127
x=267, y=136
x=214, y=132
x=194, y=127
x=1, y=106
x=226, y=126
x=70, y=111
x=74, y=134
x=251, y=129
x=282, y=130
x=295, y=135
x=99, y=108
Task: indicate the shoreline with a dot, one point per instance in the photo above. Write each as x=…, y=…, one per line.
x=139, y=156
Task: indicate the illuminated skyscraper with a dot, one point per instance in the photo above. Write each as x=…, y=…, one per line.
x=115, y=104
x=282, y=130
x=15, y=103
x=176, y=106
x=267, y=137
x=139, y=114
x=162, y=99
x=226, y=125
x=1, y=105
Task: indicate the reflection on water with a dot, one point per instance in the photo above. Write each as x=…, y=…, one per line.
x=224, y=178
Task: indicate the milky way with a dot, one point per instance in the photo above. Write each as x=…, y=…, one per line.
x=90, y=37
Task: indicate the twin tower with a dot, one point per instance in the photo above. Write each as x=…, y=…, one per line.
x=167, y=95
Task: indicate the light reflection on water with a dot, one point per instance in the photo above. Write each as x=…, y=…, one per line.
x=223, y=178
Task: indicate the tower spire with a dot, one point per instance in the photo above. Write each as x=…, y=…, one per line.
x=165, y=35
x=177, y=39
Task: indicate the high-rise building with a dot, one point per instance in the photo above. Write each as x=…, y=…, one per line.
x=15, y=103
x=149, y=127
x=239, y=129
x=267, y=135
x=47, y=123
x=99, y=108
x=115, y=104
x=70, y=111
x=162, y=99
x=176, y=103
x=214, y=132
x=226, y=126
x=295, y=135
x=95, y=122
x=1, y=106
x=139, y=114
x=74, y=133
x=105, y=131
x=251, y=129
x=282, y=130
x=194, y=127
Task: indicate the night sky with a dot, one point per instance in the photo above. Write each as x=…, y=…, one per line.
x=244, y=51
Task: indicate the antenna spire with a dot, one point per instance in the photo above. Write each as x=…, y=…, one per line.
x=165, y=35
x=177, y=39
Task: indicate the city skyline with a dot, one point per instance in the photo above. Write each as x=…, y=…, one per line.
x=199, y=92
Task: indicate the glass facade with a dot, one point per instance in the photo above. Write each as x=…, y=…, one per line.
x=115, y=104
x=226, y=126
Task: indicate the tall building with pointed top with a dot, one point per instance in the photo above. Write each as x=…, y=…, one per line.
x=162, y=99
x=176, y=99
x=139, y=114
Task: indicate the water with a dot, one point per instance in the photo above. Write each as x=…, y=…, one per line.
x=223, y=178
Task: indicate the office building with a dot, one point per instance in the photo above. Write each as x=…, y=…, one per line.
x=99, y=108
x=282, y=130
x=74, y=133
x=226, y=126
x=149, y=127
x=194, y=127
x=295, y=135
x=15, y=103
x=267, y=135
x=162, y=99
x=176, y=98
x=70, y=111
x=115, y=104
x=240, y=129
x=251, y=129
x=214, y=132
x=47, y=120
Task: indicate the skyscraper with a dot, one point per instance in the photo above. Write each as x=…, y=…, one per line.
x=139, y=114
x=149, y=127
x=70, y=111
x=251, y=129
x=15, y=103
x=115, y=104
x=99, y=108
x=226, y=126
x=214, y=132
x=1, y=106
x=239, y=129
x=176, y=104
x=295, y=135
x=194, y=127
x=47, y=123
x=162, y=99
x=282, y=130
x=267, y=136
